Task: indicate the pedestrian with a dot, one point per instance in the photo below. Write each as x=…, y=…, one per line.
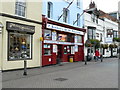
x=97, y=54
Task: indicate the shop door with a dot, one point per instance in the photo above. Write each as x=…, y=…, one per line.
x=81, y=53
x=59, y=54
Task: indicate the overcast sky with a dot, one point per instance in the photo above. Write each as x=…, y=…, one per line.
x=105, y=5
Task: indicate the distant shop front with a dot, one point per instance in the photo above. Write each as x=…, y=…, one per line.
x=61, y=43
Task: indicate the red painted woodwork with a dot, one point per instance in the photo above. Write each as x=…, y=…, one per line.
x=81, y=53
x=78, y=56
x=45, y=60
x=54, y=58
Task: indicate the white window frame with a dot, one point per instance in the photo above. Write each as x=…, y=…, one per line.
x=65, y=15
x=20, y=8
x=78, y=19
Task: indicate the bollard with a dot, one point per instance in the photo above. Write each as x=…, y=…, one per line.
x=25, y=67
x=101, y=58
x=86, y=61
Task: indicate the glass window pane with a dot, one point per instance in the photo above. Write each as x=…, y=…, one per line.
x=47, y=34
x=19, y=46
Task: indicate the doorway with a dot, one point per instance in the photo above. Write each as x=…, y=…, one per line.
x=59, y=54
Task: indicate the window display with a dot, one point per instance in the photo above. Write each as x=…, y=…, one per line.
x=47, y=49
x=19, y=46
x=47, y=34
x=62, y=37
x=79, y=39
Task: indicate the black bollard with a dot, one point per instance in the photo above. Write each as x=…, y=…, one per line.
x=86, y=61
x=25, y=67
x=101, y=58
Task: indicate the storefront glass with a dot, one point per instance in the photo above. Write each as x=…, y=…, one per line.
x=19, y=46
x=47, y=34
x=47, y=49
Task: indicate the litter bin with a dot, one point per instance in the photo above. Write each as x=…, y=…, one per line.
x=71, y=58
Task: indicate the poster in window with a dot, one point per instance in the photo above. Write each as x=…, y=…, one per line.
x=54, y=35
x=47, y=34
x=62, y=37
x=75, y=38
x=54, y=48
x=72, y=50
x=76, y=48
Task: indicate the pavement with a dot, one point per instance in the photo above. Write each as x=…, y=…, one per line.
x=69, y=75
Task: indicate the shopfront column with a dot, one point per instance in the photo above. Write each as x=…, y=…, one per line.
x=0, y=45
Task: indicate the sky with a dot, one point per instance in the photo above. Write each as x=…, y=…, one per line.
x=104, y=5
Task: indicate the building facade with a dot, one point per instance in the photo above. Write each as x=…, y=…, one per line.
x=20, y=33
x=102, y=27
x=63, y=39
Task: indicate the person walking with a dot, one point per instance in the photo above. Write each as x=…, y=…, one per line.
x=97, y=54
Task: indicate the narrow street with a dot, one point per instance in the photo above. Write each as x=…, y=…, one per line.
x=72, y=75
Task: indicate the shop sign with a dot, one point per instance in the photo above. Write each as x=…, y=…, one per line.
x=50, y=41
x=78, y=44
x=11, y=26
x=109, y=40
x=64, y=43
x=59, y=28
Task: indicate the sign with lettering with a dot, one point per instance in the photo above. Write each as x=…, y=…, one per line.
x=64, y=43
x=109, y=40
x=11, y=26
x=59, y=28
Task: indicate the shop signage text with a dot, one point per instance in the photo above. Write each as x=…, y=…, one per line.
x=64, y=43
x=109, y=40
x=20, y=27
x=59, y=28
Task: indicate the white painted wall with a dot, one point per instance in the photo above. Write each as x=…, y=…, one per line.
x=101, y=27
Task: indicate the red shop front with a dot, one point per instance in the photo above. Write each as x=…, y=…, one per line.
x=60, y=42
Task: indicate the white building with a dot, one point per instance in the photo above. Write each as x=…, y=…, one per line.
x=98, y=27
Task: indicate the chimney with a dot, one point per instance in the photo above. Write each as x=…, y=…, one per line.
x=92, y=5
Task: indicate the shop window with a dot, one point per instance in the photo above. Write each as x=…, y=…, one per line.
x=66, y=37
x=19, y=46
x=79, y=39
x=70, y=37
x=47, y=49
x=62, y=37
x=20, y=8
x=47, y=34
x=65, y=49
